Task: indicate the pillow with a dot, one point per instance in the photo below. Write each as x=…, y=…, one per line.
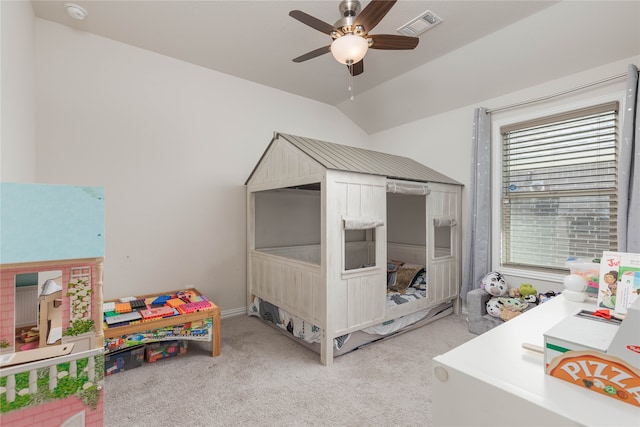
x=404, y=277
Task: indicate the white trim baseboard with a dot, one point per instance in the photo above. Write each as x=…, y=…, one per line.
x=233, y=312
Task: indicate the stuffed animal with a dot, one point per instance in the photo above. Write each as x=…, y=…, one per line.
x=511, y=307
x=494, y=307
x=527, y=289
x=514, y=293
x=513, y=304
x=495, y=284
x=547, y=296
x=531, y=299
x=505, y=308
x=509, y=314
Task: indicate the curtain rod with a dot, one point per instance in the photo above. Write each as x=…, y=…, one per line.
x=544, y=98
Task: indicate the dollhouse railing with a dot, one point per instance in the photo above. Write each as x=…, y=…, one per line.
x=32, y=368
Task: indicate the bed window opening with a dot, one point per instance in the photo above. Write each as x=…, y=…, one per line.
x=287, y=222
x=442, y=242
x=442, y=237
x=359, y=249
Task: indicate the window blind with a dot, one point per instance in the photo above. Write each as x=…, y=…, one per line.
x=559, y=187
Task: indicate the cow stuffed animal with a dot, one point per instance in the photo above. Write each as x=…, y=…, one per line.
x=495, y=284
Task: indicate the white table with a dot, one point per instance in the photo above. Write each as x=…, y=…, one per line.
x=491, y=380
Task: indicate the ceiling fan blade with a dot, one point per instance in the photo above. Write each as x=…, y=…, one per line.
x=310, y=55
x=357, y=68
x=373, y=13
x=313, y=22
x=393, y=42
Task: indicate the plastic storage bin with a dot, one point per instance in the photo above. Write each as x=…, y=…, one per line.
x=589, y=270
x=123, y=360
x=162, y=350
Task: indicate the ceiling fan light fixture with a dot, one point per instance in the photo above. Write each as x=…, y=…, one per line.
x=349, y=49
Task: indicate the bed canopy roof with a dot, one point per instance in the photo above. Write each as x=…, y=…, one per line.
x=352, y=159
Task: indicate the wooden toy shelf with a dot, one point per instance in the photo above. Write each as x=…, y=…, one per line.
x=150, y=325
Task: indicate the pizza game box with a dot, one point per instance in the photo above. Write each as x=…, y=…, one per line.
x=597, y=353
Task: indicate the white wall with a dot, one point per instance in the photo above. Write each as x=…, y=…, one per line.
x=18, y=106
x=172, y=144
x=522, y=54
x=443, y=142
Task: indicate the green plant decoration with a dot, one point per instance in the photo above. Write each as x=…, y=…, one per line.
x=87, y=391
x=90, y=397
x=79, y=292
x=4, y=343
x=79, y=327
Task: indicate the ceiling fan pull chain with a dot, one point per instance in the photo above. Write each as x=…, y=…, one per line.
x=350, y=85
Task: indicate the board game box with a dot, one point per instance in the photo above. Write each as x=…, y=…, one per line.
x=628, y=282
x=619, y=282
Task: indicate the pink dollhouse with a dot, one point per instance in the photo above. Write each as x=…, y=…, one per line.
x=51, y=268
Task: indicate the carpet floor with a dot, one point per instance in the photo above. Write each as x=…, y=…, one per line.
x=263, y=378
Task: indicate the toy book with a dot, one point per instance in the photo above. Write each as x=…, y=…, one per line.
x=628, y=288
x=619, y=282
x=608, y=281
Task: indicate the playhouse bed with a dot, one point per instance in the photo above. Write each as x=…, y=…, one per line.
x=336, y=236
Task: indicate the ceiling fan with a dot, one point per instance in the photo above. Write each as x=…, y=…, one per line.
x=350, y=34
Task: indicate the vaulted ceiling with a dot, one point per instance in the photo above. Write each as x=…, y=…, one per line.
x=482, y=49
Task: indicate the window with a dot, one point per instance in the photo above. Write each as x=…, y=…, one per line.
x=360, y=244
x=359, y=249
x=442, y=231
x=559, y=188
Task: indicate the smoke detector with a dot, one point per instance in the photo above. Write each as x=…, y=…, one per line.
x=75, y=11
x=419, y=25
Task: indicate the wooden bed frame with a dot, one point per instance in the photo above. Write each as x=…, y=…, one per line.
x=338, y=283
x=296, y=285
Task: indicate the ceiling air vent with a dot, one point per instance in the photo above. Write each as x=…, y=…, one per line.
x=420, y=24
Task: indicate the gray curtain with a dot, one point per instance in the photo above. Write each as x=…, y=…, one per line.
x=478, y=237
x=629, y=169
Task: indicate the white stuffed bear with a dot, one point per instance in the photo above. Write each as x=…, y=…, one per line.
x=494, y=307
x=495, y=284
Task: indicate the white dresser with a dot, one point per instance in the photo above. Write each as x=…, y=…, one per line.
x=491, y=380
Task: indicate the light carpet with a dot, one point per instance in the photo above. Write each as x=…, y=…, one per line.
x=263, y=378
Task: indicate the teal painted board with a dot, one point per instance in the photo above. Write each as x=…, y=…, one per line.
x=43, y=222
